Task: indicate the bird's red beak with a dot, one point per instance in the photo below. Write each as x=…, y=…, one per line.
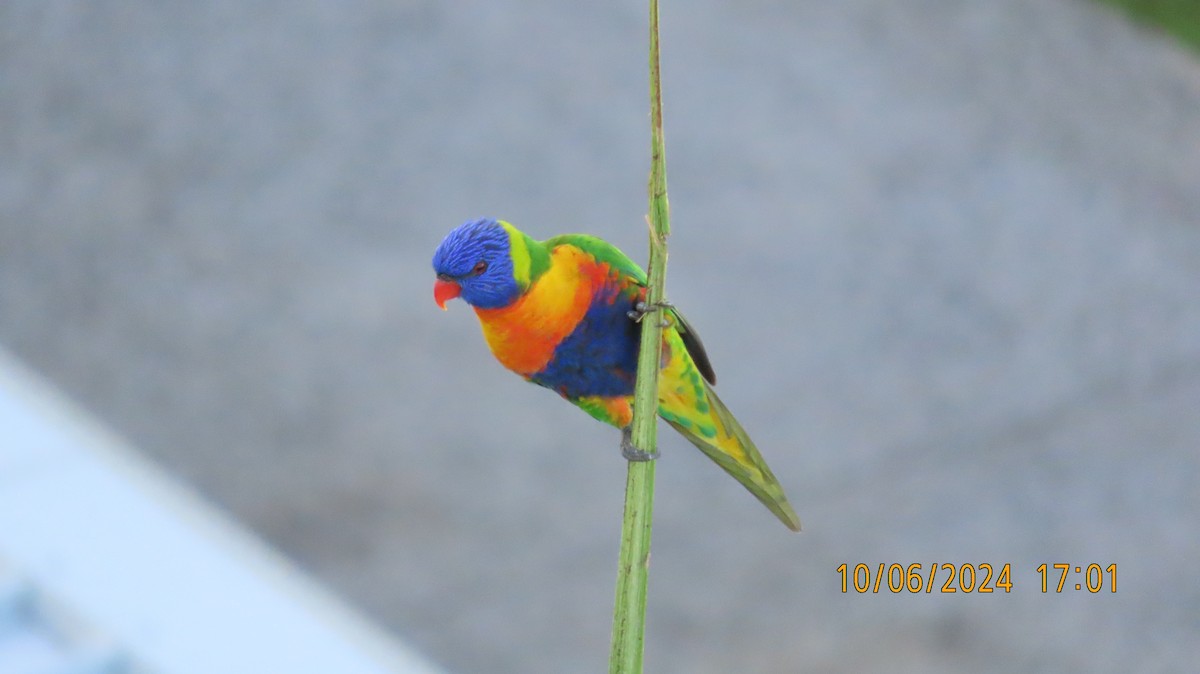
x=443, y=291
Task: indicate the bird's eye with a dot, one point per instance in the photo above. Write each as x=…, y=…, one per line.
x=480, y=267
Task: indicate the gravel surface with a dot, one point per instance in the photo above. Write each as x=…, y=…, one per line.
x=944, y=254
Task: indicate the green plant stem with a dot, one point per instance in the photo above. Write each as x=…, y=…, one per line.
x=629, y=614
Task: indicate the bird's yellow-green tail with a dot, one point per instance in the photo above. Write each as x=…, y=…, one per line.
x=689, y=404
x=733, y=450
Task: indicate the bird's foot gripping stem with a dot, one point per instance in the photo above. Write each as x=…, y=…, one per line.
x=632, y=452
x=642, y=308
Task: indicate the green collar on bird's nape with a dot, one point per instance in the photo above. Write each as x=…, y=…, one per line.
x=529, y=257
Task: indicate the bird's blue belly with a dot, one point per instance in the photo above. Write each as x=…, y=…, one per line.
x=598, y=358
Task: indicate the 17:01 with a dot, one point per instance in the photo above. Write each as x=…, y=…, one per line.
x=1093, y=577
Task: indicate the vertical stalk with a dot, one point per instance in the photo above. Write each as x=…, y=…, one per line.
x=629, y=614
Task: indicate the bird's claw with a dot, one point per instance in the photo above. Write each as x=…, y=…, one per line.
x=640, y=310
x=630, y=451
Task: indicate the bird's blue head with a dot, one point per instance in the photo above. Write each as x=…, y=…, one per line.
x=475, y=262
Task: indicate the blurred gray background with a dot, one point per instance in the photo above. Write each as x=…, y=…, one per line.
x=945, y=255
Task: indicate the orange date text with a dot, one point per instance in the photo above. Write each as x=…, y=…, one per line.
x=918, y=578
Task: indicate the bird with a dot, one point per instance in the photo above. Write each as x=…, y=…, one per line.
x=566, y=313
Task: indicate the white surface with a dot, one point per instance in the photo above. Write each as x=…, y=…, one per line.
x=41, y=636
x=177, y=585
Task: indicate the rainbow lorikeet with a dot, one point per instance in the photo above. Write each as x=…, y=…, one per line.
x=564, y=313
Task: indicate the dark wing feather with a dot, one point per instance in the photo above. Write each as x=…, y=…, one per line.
x=695, y=348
